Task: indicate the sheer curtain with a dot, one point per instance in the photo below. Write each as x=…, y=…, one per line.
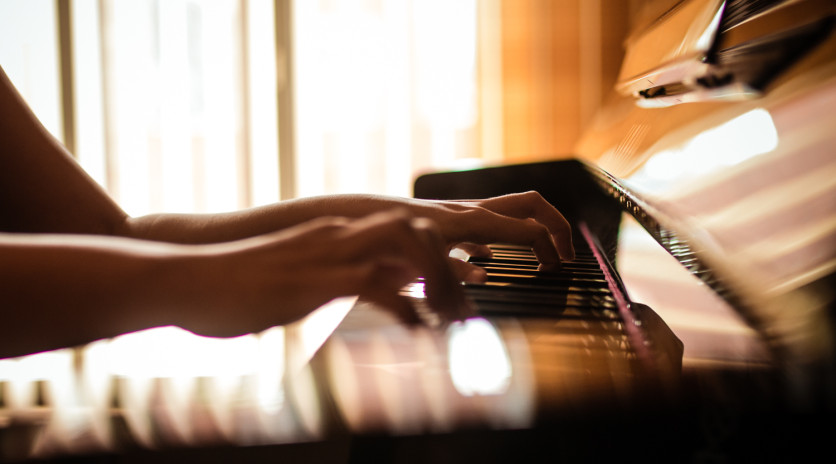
x=175, y=103
x=385, y=89
x=28, y=54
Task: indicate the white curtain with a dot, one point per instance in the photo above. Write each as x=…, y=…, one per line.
x=176, y=101
x=385, y=89
x=188, y=122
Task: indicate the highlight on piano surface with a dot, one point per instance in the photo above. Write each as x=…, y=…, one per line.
x=697, y=321
x=741, y=169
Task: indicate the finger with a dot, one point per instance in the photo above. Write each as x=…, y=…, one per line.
x=493, y=227
x=444, y=291
x=475, y=249
x=533, y=205
x=393, y=236
x=395, y=303
x=468, y=272
x=378, y=281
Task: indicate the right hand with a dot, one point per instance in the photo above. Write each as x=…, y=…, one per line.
x=280, y=277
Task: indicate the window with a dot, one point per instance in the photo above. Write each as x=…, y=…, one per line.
x=28, y=52
x=384, y=89
x=184, y=94
x=175, y=104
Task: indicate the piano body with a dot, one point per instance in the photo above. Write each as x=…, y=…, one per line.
x=704, y=191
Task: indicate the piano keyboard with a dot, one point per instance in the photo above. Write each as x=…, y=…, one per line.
x=516, y=287
x=585, y=290
x=547, y=342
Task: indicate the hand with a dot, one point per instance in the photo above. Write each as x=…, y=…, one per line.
x=369, y=246
x=521, y=219
x=282, y=276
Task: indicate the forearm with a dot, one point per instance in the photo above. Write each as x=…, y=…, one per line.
x=215, y=228
x=505, y=219
x=60, y=291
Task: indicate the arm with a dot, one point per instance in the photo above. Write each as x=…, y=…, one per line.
x=67, y=277
x=74, y=267
x=42, y=189
x=525, y=219
x=65, y=290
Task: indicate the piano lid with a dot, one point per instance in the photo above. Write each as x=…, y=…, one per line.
x=744, y=186
x=722, y=49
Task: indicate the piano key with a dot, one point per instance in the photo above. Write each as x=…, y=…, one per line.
x=534, y=264
x=516, y=287
x=523, y=276
x=567, y=269
x=526, y=300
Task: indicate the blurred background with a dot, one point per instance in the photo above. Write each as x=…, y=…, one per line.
x=213, y=105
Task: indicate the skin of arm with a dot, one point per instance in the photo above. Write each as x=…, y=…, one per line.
x=45, y=190
x=74, y=267
x=490, y=220
x=63, y=290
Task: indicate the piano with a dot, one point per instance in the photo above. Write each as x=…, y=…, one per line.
x=697, y=322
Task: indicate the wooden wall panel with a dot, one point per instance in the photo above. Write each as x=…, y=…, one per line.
x=559, y=60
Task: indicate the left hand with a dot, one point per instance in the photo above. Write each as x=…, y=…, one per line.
x=521, y=219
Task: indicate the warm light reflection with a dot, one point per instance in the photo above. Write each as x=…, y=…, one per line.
x=271, y=367
x=479, y=362
x=171, y=387
x=174, y=352
x=177, y=113
x=733, y=142
x=21, y=373
x=372, y=105
x=707, y=38
x=308, y=335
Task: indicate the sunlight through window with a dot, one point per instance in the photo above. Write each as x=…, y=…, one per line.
x=384, y=89
x=479, y=363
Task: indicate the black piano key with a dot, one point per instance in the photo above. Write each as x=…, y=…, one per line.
x=522, y=251
x=580, y=247
x=515, y=285
x=511, y=283
x=528, y=257
x=552, y=295
x=567, y=268
x=527, y=309
x=532, y=263
x=512, y=300
x=574, y=278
